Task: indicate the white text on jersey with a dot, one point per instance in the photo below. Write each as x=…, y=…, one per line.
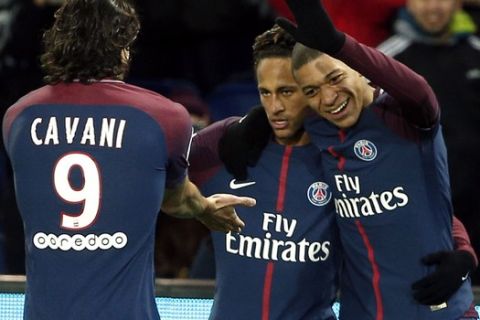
x=371, y=204
x=53, y=132
x=79, y=242
x=268, y=248
x=281, y=223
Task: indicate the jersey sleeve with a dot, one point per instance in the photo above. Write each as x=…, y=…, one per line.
x=6, y=123
x=416, y=97
x=204, y=159
x=8, y=119
x=178, y=131
x=461, y=238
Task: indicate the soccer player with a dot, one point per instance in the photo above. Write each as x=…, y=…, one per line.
x=384, y=157
x=284, y=263
x=384, y=154
x=93, y=157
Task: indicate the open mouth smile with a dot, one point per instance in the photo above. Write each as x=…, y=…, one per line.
x=340, y=108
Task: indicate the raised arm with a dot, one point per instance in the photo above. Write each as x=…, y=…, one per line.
x=316, y=30
x=418, y=101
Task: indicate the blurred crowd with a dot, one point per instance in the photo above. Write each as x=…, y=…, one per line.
x=198, y=52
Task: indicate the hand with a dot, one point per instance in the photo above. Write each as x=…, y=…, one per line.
x=220, y=214
x=243, y=142
x=453, y=268
x=315, y=29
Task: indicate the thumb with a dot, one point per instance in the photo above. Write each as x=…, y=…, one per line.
x=287, y=25
x=434, y=258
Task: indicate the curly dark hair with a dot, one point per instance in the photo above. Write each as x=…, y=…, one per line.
x=89, y=40
x=274, y=42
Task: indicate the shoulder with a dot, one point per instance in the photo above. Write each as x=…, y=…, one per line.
x=208, y=138
x=166, y=112
x=13, y=111
x=204, y=156
x=394, y=45
x=144, y=98
x=33, y=97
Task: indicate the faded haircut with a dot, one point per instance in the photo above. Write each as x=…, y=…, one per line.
x=273, y=43
x=301, y=55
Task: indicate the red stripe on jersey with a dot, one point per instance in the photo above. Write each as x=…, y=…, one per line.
x=333, y=152
x=341, y=159
x=342, y=135
x=341, y=163
x=376, y=272
x=282, y=186
x=283, y=179
x=267, y=290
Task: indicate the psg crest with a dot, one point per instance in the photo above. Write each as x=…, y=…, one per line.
x=319, y=194
x=365, y=150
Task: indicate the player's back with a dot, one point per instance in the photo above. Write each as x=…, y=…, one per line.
x=90, y=165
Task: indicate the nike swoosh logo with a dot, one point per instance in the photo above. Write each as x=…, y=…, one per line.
x=234, y=185
x=465, y=277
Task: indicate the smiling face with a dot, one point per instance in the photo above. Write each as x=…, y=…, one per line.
x=433, y=16
x=334, y=90
x=282, y=99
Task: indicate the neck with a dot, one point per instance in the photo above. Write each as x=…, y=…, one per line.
x=301, y=138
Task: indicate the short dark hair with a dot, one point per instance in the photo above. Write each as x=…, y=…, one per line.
x=274, y=42
x=87, y=39
x=301, y=55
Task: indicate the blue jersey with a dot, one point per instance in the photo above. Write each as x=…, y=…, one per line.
x=90, y=164
x=283, y=265
x=391, y=194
